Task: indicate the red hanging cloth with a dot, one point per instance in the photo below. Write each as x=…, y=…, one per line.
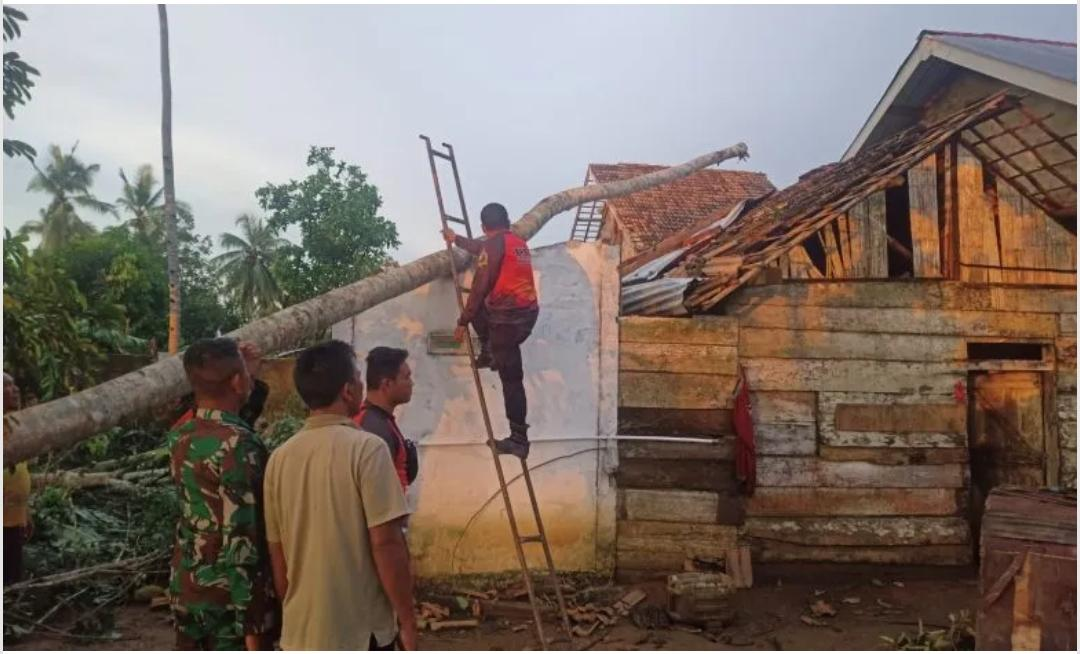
x=745, y=463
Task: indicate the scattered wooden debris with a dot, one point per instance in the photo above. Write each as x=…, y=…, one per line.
x=851, y=600
x=476, y=594
x=821, y=609
x=629, y=601
x=583, y=631
x=883, y=604
x=442, y=625
x=877, y=583
x=159, y=602
x=813, y=622
x=738, y=566
x=510, y=610
x=431, y=611
x=898, y=584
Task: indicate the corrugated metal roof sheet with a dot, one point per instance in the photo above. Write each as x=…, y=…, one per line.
x=661, y=297
x=1053, y=58
x=653, y=269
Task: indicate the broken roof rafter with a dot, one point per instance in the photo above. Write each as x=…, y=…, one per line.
x=788, y=217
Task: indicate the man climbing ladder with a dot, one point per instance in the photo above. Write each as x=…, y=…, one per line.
x=502, y=308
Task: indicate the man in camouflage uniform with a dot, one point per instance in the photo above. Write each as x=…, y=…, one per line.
x=220, y=585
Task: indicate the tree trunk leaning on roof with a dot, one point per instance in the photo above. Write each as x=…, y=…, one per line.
x=70, y=419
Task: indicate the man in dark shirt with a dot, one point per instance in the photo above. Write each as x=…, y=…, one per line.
x=502, y=308
x=389, y=385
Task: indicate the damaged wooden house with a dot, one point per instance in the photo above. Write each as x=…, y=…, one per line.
x=905, y=320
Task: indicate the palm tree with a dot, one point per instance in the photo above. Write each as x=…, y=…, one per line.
x=68, y=181
x=245, y=265
x=143, y=202
x=172, y=240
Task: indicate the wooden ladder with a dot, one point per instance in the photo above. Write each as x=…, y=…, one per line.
x=540, y=536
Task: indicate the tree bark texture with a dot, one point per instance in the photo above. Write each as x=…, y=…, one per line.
x=171, y=242
x=68, y=420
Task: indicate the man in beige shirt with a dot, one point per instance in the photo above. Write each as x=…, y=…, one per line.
x=334, y=516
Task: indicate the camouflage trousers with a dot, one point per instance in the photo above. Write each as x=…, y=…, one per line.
x=207, y=626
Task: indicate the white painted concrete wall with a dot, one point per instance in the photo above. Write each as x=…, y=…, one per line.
x=571, y=374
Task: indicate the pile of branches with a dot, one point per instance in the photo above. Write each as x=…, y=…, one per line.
x=104, y=515
x=102, y=529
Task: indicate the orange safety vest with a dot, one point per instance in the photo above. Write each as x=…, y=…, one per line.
x=515, y=287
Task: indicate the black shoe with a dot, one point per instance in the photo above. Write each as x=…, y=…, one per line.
x=514, y=445
x=517, y=444
x=485, y=360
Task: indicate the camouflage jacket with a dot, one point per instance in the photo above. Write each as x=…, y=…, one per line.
x=220, y=558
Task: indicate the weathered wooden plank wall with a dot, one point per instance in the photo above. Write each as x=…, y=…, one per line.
x=877, y=470
x=676, y=499
x=860, y=428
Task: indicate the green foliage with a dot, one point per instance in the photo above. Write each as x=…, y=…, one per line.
x=282, y=430
x=343, y=237
x=68, y=180
x=959, y=636
x=46, y=344
x=245, y=266
x=18, y=80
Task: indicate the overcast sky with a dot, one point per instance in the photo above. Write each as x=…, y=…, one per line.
x=527, y=95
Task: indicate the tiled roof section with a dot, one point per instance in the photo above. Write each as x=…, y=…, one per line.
x=650, y=216
x=788, y=217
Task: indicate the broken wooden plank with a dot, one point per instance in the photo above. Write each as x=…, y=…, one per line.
x=782, y=406
x=862, y=531
x=902, y=418
x=785, y=438
x=898, y=321
x=852, y=375
x=816, y=344
x=923, y=204
x=704, y=330
x=674, y=422
x=895, y=456
x=678, y=358
x=667, y=391
x=793, y=471
x=669, y=505
x=772, y=501
x=874, y=235
x=773, y=552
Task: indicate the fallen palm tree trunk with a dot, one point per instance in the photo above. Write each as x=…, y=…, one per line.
x=70, y=419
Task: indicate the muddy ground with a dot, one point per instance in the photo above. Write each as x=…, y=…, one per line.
x=869, y=603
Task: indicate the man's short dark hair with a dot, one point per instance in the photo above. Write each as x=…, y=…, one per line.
x=384, y=363
x=494, y=216
x=210, y=363
x=322, y=371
